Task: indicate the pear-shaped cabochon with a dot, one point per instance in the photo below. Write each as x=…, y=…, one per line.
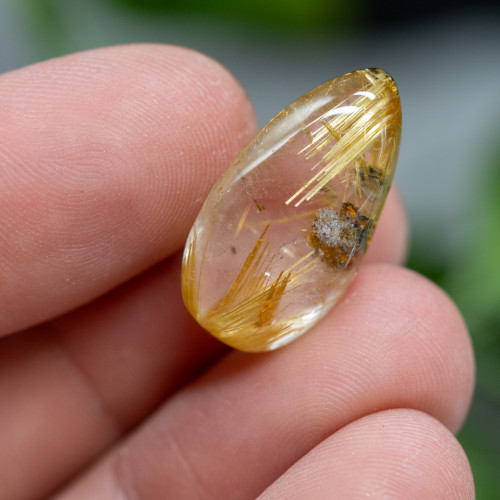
x=284, y=229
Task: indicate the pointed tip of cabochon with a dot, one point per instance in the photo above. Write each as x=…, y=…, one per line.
x=385, y=74
x=379, y=71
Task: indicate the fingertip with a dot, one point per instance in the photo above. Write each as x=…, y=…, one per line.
x=390, y=454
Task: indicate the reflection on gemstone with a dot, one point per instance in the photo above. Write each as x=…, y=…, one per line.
x=284, y=229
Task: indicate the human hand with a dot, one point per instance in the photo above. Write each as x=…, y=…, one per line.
x=106, y=159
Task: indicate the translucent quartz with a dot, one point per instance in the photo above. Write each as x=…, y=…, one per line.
x=282, y=232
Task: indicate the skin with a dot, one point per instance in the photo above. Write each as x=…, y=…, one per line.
x=108, y=389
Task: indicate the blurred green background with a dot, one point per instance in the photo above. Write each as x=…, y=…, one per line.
x=445, y=57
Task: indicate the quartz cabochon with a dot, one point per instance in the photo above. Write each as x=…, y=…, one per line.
x=283, y=231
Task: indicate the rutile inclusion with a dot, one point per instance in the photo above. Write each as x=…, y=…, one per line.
x=283, y=231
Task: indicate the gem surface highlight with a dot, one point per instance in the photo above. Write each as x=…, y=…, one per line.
x=283, y=231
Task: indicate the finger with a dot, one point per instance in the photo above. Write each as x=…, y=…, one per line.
x=391, y=454
x=106, y=157
x=390, y=240
x=394, y=341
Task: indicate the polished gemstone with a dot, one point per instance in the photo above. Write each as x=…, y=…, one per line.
x=284, y=229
